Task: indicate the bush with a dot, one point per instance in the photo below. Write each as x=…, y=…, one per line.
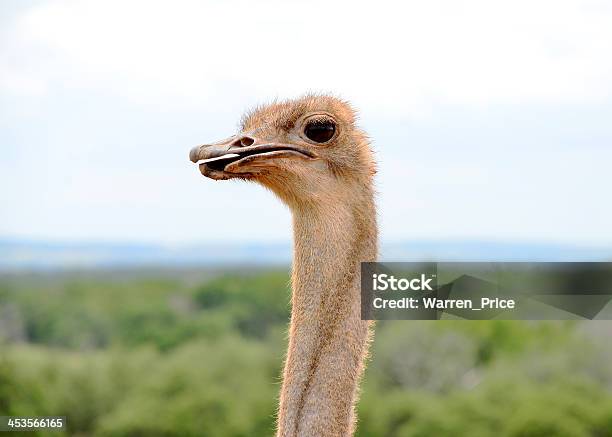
x=137, y=356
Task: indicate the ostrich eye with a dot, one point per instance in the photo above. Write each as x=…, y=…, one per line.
x=320, y=131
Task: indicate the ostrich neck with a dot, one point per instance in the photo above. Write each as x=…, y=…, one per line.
x=328, y=341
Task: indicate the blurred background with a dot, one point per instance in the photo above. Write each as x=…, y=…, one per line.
x=122, y=309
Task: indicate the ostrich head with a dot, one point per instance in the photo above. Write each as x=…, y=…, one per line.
x=306, y=150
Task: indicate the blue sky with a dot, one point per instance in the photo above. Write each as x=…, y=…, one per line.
x=491, y=120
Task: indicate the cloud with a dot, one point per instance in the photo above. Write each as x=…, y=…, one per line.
x=491, y=119
x=399, y=56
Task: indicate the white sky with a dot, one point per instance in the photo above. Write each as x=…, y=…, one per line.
x=491, y=120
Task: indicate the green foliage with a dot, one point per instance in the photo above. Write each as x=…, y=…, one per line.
x=256, y=302
x=201, y=354
x=221, y=388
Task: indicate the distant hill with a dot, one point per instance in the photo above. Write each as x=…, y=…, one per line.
x=16, y=254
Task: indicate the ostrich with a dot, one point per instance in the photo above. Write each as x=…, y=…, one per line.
x=309, y=152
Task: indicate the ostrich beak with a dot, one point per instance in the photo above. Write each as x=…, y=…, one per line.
x=241, y=156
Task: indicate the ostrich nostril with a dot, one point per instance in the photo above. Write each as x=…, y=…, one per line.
x=246, y=141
